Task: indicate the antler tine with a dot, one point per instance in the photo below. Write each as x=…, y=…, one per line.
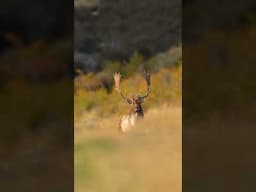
x=146, y=76
x=117, y=79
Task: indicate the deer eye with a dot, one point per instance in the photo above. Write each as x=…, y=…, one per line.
x=129, y=101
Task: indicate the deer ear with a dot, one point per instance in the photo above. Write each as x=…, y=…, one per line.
x=129, y=101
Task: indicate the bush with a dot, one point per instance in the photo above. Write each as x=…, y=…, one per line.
x=166, y=88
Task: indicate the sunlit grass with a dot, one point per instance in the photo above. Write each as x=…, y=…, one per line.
x=146, y=159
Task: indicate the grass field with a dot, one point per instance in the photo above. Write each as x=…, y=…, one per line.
x=147, y=159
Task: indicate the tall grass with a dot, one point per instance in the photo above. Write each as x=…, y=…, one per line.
x=147, y=159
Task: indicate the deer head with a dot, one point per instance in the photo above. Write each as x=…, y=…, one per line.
x=135, y=100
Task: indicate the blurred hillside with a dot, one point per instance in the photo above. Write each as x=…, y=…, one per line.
x=108, y=29
x=201, y=17
x=36, y=56
x=33, y=37
x=36, y=20
x=224, y=57
x=36, y=134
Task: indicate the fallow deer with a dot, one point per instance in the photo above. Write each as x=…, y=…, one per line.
x=136, y=112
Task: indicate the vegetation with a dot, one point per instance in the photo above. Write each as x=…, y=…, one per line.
x=36, y=99
x=225, y=59
x=94, y=91
x=108, y=161
x=121, y=27
x=147, y=159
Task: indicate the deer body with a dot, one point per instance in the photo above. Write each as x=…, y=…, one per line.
x=136, y=112
x=127, y=121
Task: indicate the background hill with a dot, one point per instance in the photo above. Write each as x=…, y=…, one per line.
x=110, y=29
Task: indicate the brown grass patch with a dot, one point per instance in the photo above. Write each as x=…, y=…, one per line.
x=148, y=158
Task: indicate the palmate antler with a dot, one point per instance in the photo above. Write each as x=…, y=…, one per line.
x=146, y=76
x=117, y=78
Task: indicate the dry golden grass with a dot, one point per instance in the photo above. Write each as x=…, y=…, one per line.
x=147, y=159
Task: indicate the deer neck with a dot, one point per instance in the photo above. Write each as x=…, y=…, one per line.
x=137, y=111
